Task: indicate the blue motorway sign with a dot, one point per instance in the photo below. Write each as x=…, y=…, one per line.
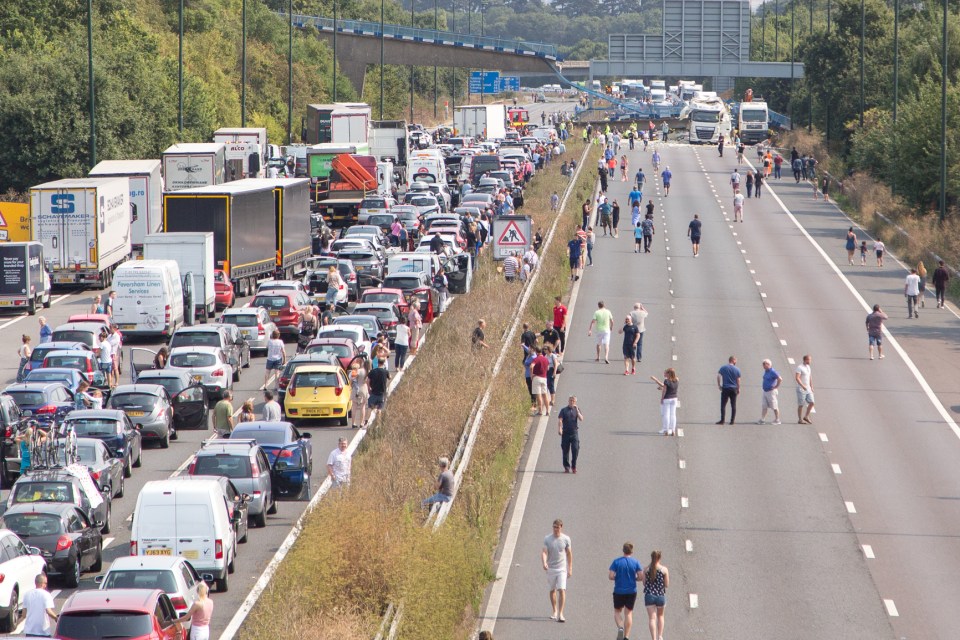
x=484, y=81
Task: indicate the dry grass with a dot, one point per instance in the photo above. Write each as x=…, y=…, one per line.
x=368, y=546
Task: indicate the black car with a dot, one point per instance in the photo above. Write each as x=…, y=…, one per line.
x=11, y=421
x=59, y=486
x=189, y=409
x=368, y=264
x=69, y=542
x=316, y=278
x=106, y=470
x=115, y=429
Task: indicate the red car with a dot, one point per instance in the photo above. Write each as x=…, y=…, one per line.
x=393, y=296
x=132, y=614
x=284, y=306
x=223, y=290
x=102, y=318
x=343, y=348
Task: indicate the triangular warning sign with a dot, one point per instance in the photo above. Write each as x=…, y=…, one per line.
x=3, y=221
x=512, y=236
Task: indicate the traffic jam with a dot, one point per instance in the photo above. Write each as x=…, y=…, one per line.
x=210, y=324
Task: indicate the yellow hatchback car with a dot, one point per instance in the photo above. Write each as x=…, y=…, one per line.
x=318, y=391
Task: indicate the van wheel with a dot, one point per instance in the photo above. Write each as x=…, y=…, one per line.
x=120, y=492
x=10, y=621
x=231, y=567
x=127, y=469
x=106, y=524
x=221, y=583
x=47, y=302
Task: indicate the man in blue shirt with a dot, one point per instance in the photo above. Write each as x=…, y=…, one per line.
x=728, y=381
x=665, y=175
x=637, y=194
x=573, y=252
x=624, y=571
x=771, y=386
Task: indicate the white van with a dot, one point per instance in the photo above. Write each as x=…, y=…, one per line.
x=412, y=262
x=187, y=519
x=421, y=166
x=149, y=297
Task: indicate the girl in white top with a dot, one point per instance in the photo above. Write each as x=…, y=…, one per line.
x=401, y=343
x=24, y=352
x=276, y=356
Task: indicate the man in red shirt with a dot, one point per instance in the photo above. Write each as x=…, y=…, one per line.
x=538, y=375
x=560, y=321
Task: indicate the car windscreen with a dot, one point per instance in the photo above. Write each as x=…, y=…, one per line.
x=367, y=323
x=26, y=398
x=380, y=220
x=133, y=401
x=262, y=436
x=241, y=319
x=162, y=579
x=68, y=335
x=357, y=256
x=26, y=525
x=93, y=426
x=382, y=313
x=315, y=379
x=191, y=360
x=408, y=216
x=39, y=375
x=198, y=339
x=423, y=202
x=222, y=464
x=337, y=334
x=373, y=203
x=66, y=362
x=40, y=352
x=271, y=303
x=38, y=491
x=403, y=283
x=338, y=350
x=94, y=625
x=379, y=297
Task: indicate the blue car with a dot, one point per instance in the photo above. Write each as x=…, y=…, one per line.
x=70, y=378
x=290, y=454
x=41, y=350
x=48, y=401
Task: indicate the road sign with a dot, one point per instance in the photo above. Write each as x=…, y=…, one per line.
x=511, y=236
x=507, y=83
x=487, y=80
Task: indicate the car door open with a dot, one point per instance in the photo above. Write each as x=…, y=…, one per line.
x=190, y=408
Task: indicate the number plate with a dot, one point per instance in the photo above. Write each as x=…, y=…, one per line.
x=196, y=378
x=316, y=412
x=274, y=314
x=135, y=413
x=190, y=554
x=159, y=552
x=128, y=327
x=5, y=303
x=246, y=334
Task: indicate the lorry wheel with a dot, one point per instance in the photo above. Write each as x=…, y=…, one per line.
x=32, y=307
x=47, y=302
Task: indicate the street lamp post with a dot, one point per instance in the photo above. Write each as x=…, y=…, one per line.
x=180, y=74
x=810, y=91
x=335, y=50
x=776, y=29
x=290, y=75
x=436, y=27
x=243, y=65
x=93, y=100
x=413, y=25
x=863, y=28
x=381, y=57
x=943, y=119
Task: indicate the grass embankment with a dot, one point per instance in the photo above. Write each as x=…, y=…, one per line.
x=368, y=547
x=909, y=234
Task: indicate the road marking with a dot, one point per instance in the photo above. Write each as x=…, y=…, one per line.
x=673, y=338
x=756, y=282
x=684, y=502
x=769, y=309
x=689, y=546
x=748, y=262
x=823, y=438
x=868, y=551
x=776, y=325
x=682, y=464
x=107, y=542
x=763, y=295
x=791, y=361
x=836, y=469
x=783, y=342
x=674, y=357
x=694, y=601
x=679, y=432
x=12, y=321
x=850, y=507
x=891, y=608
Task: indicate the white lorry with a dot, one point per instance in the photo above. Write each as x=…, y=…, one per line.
x=146, y=194
x=84, y=225
x=245, y=151
x=709, y=119
x=753, y=122
x=192, y=165
x=486, y=121
x=390, y=142
x=193, y=252
x=24, y=283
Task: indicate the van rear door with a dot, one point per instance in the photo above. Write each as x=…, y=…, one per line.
x=195, y=530
x=156, y=525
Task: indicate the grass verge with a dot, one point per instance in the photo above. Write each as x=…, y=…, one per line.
x=367, y=546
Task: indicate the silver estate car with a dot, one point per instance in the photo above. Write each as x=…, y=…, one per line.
x=148, y=406
x=254, y=324
x=247, y=466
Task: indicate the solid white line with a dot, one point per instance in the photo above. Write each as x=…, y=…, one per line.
x=823, y=438
x=12, y=321
x=836, y=469
x=850, y=507
x=868, y=552
x=694, y=601
x=891, y=608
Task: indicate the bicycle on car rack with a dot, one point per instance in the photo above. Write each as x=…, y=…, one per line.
x=46, y=446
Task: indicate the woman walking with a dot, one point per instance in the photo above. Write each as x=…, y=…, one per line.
x=276, y=358
x=334, y=282
x=922, y=272
x=668, y=401
x=623, y=168
x=758, y=181
x=200, y=614
x=24, y=352
x=401, y=343
x=851, y=244
x=359, y=394
x=415, y=323
x=749, y=184
x=656, y=580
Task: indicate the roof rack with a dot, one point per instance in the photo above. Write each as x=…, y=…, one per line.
x=242, y=442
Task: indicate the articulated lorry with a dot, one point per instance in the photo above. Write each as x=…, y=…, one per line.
x=146, y=193
x=24, y=283
x=709, y=119
x=342, y=178
x=192, y=165
x=291, y=220
x=486, y=121
x=85, y=228
x=245, y=151
x=338, y=123
x=239, y=215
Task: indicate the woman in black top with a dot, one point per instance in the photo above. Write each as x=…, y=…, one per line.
x=669, y=388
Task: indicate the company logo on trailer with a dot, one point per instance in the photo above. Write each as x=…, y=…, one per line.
x=62, y=203
x=189, y=168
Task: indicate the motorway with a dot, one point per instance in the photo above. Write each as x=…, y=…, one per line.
x=844, y=528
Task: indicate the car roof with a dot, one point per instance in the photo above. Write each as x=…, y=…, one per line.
x=58, y=508
x=63, y=345
x=262, y=425
x=276, y=293
x=374, y=305
x=209, y=328
x=340, y=327
x=241, y=311
x=398, y=292
x=142, y=600
x=358, y=316
x=316, y=368
x=195, y=349
x=93, y=327
x=69, y=352
x=33, y=386
x=48, y=475
x=163, y=373
x=102, y=318
x=152, y=389
x=104, y=414
x=132, y=563
x=63, y=371
x=333, y=340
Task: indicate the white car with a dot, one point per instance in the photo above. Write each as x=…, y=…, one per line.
x=372, y=206
x=353, y=331
x=449, y=245
x=173, y=575
x=206, y=365
x=254, y=324
x=20, y=567
x=281, y=285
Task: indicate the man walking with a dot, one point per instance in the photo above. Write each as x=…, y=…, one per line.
x=560, y=321
x=557, y=559
x=940, y=278
x=538, y=374
x=624, y=571
x=735, y=180
x=728, y=381
x=875, y=330
x=271, y=408
x=693, y=232
x=737, y=207
x=804, y=377
x=223, y=415
x=603, y=321
x=666, y=175
x=648, y=229
x=911, y=289
x=573, y=253
x=338, y=465
x=568, y=428
x=771, y=386
x=639, y=317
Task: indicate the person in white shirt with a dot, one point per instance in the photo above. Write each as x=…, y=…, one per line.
x=271, y=408
x=735, y=180
x=40, y=609
x=531, y=258
x=115, y=345
x=105, y=357
x=338, y=464
x=737, y=206
x=804, y=378
x=911, y=289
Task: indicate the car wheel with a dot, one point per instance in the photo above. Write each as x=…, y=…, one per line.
x=259, y=520
x=165, y=441
x=72, y=578
x=120, y=492
x=12, y=619
x=139, y=461
x=127, y=468
x=98, y=563
x=106, y=523
x=221, y=583
x=236, y=373
x=173, y=434
x=342, y=422
x=273, y=507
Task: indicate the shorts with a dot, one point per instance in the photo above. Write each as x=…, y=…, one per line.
x=879, y=253
x=875, y=340
x=274, y=364
x=804, y=397
x=694, y=239
x=624, y=600
x=650, y=600
x=629, y=351
x=106, y=367
x=574, y=262
x=603, y=337
x=557, y=579
x=538, y=385
x=770, y=400
x=375, y=401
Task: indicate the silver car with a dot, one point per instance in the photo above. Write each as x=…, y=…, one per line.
x=247, y=466
x=254, y=324
x=149, y=406
x=206, y=365
x=173, y=575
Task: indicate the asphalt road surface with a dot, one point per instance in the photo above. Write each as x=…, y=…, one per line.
x=843, y=528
